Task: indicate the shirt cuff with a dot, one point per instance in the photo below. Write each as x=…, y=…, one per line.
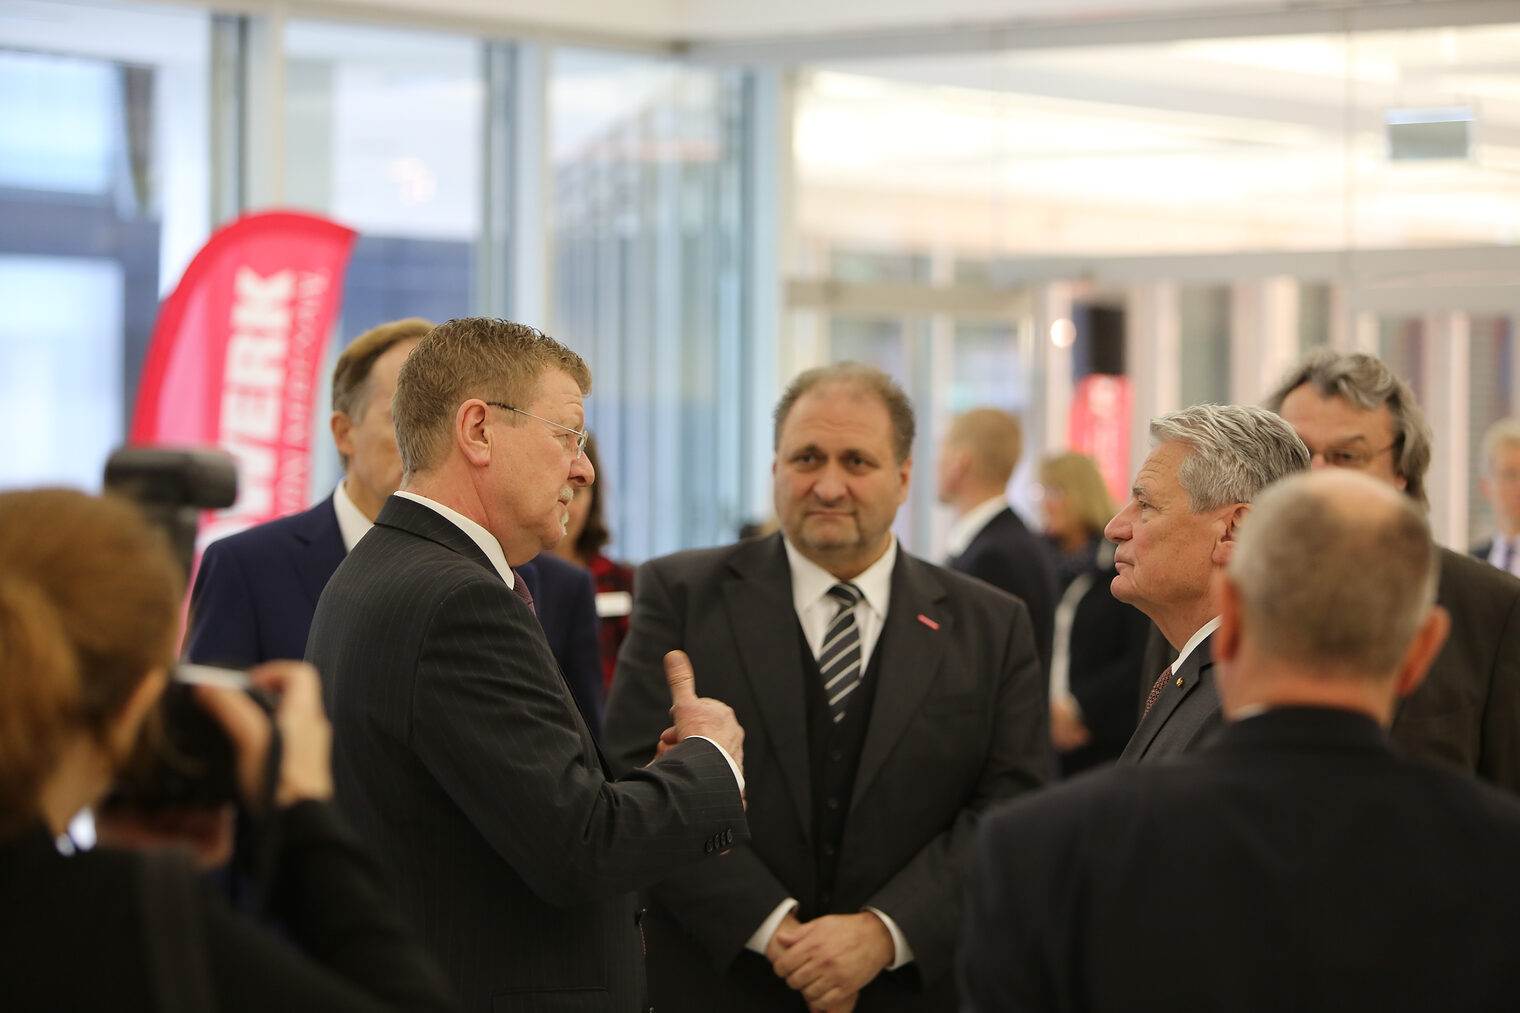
x=738, y=774
x=902, y=953
x=762, y=937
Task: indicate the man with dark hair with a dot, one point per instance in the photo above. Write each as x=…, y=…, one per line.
x=1296, y=862
x=458, y=750
x=989, y=541
x=889, y=702
x=255, y=591
x=1355, y=413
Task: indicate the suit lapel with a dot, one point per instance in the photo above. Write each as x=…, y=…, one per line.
x=1182, y=682
x=911, y=652
x=322, y=547
x=758, y=599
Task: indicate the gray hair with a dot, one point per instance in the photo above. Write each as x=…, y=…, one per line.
x=1336, y=571
x=1504, y=433
x=1237, y=451
x=1367, y=382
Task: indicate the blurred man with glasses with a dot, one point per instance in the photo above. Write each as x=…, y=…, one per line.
x=1353, y=412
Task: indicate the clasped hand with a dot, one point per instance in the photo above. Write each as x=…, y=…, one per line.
x=831, y=958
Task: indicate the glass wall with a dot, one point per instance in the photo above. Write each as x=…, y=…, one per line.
x=1246, y=199
x=104, y=151
x=649, y=216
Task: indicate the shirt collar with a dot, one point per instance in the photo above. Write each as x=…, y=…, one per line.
x=971, y=523
x=810, y=582
x=1193, y=641
x=479, y=535
x=352, y=524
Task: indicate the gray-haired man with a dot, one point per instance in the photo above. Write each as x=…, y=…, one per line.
x=1352, y=411
x=1179, y=528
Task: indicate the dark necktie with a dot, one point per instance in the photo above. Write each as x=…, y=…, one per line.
x=520, y=588
x=839, y=660
x=1161, y=681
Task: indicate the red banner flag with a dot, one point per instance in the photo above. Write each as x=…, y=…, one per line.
x=1100, y=427
x=234, y=357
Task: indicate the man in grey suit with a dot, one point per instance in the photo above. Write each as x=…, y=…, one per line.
x=1354, y=412
x=458, y=751
x=888, y=702
x=1175, y=534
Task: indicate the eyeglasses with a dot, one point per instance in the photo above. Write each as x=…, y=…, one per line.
x=581, y=436
x=1350, y=457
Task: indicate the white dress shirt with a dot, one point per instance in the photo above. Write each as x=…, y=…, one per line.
x=970, y=524
x=352, y=524
x=815, y=611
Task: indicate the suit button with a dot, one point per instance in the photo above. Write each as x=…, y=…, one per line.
x=837, y=756
x=707, y=846
x=728, y=836
x=832, y=803
x=828, y=851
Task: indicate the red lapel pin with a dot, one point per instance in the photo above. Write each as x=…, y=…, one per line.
x=927, y=621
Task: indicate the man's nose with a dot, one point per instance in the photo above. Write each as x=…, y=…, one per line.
x=830, y=485
x=1117, y=529
x=581, y=471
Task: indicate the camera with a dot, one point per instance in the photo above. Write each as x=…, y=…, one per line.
x=190, y=764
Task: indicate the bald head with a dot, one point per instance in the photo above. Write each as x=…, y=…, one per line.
x=1335, y=572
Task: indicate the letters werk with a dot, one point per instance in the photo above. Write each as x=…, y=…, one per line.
x=267, y=380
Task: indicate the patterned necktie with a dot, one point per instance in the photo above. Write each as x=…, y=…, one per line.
x=839, y=660
x=520, y=588
x=1161, y=681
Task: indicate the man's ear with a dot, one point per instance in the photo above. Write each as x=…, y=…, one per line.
x=1427, y=643
x=1225, y=644
x=1224, y=545
x=904, y=473
x=342, y=431
x=472, y=432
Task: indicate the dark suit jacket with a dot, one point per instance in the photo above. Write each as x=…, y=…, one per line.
x=958, y=721
x=459, y=753
x=1183, y=716
x=1467, y=712
x=1006, y=555
x=74, y=930
x=1296, y=863
x=256, y=590
x=1107, y=642
x=565, y=599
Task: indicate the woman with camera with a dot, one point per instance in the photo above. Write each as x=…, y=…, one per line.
x=89, y=622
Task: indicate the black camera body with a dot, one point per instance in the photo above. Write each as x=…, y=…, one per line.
x=192, y=766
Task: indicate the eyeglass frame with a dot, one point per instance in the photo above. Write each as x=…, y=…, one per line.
x=1359, y=459
x=581, y=436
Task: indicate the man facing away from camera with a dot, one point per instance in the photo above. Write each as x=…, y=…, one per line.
x=1296, y=862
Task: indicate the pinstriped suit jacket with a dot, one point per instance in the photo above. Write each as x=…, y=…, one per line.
x=460, y=755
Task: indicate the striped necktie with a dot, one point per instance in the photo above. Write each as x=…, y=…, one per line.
x=520, y=588
x=839, y=659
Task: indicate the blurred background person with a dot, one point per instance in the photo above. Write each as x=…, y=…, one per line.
x=1099, y=641
x=89, y=619
x=988, y=540
x=586, y=535
x=1500, y=485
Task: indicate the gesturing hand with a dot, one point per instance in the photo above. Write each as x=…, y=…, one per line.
x=694, y=715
